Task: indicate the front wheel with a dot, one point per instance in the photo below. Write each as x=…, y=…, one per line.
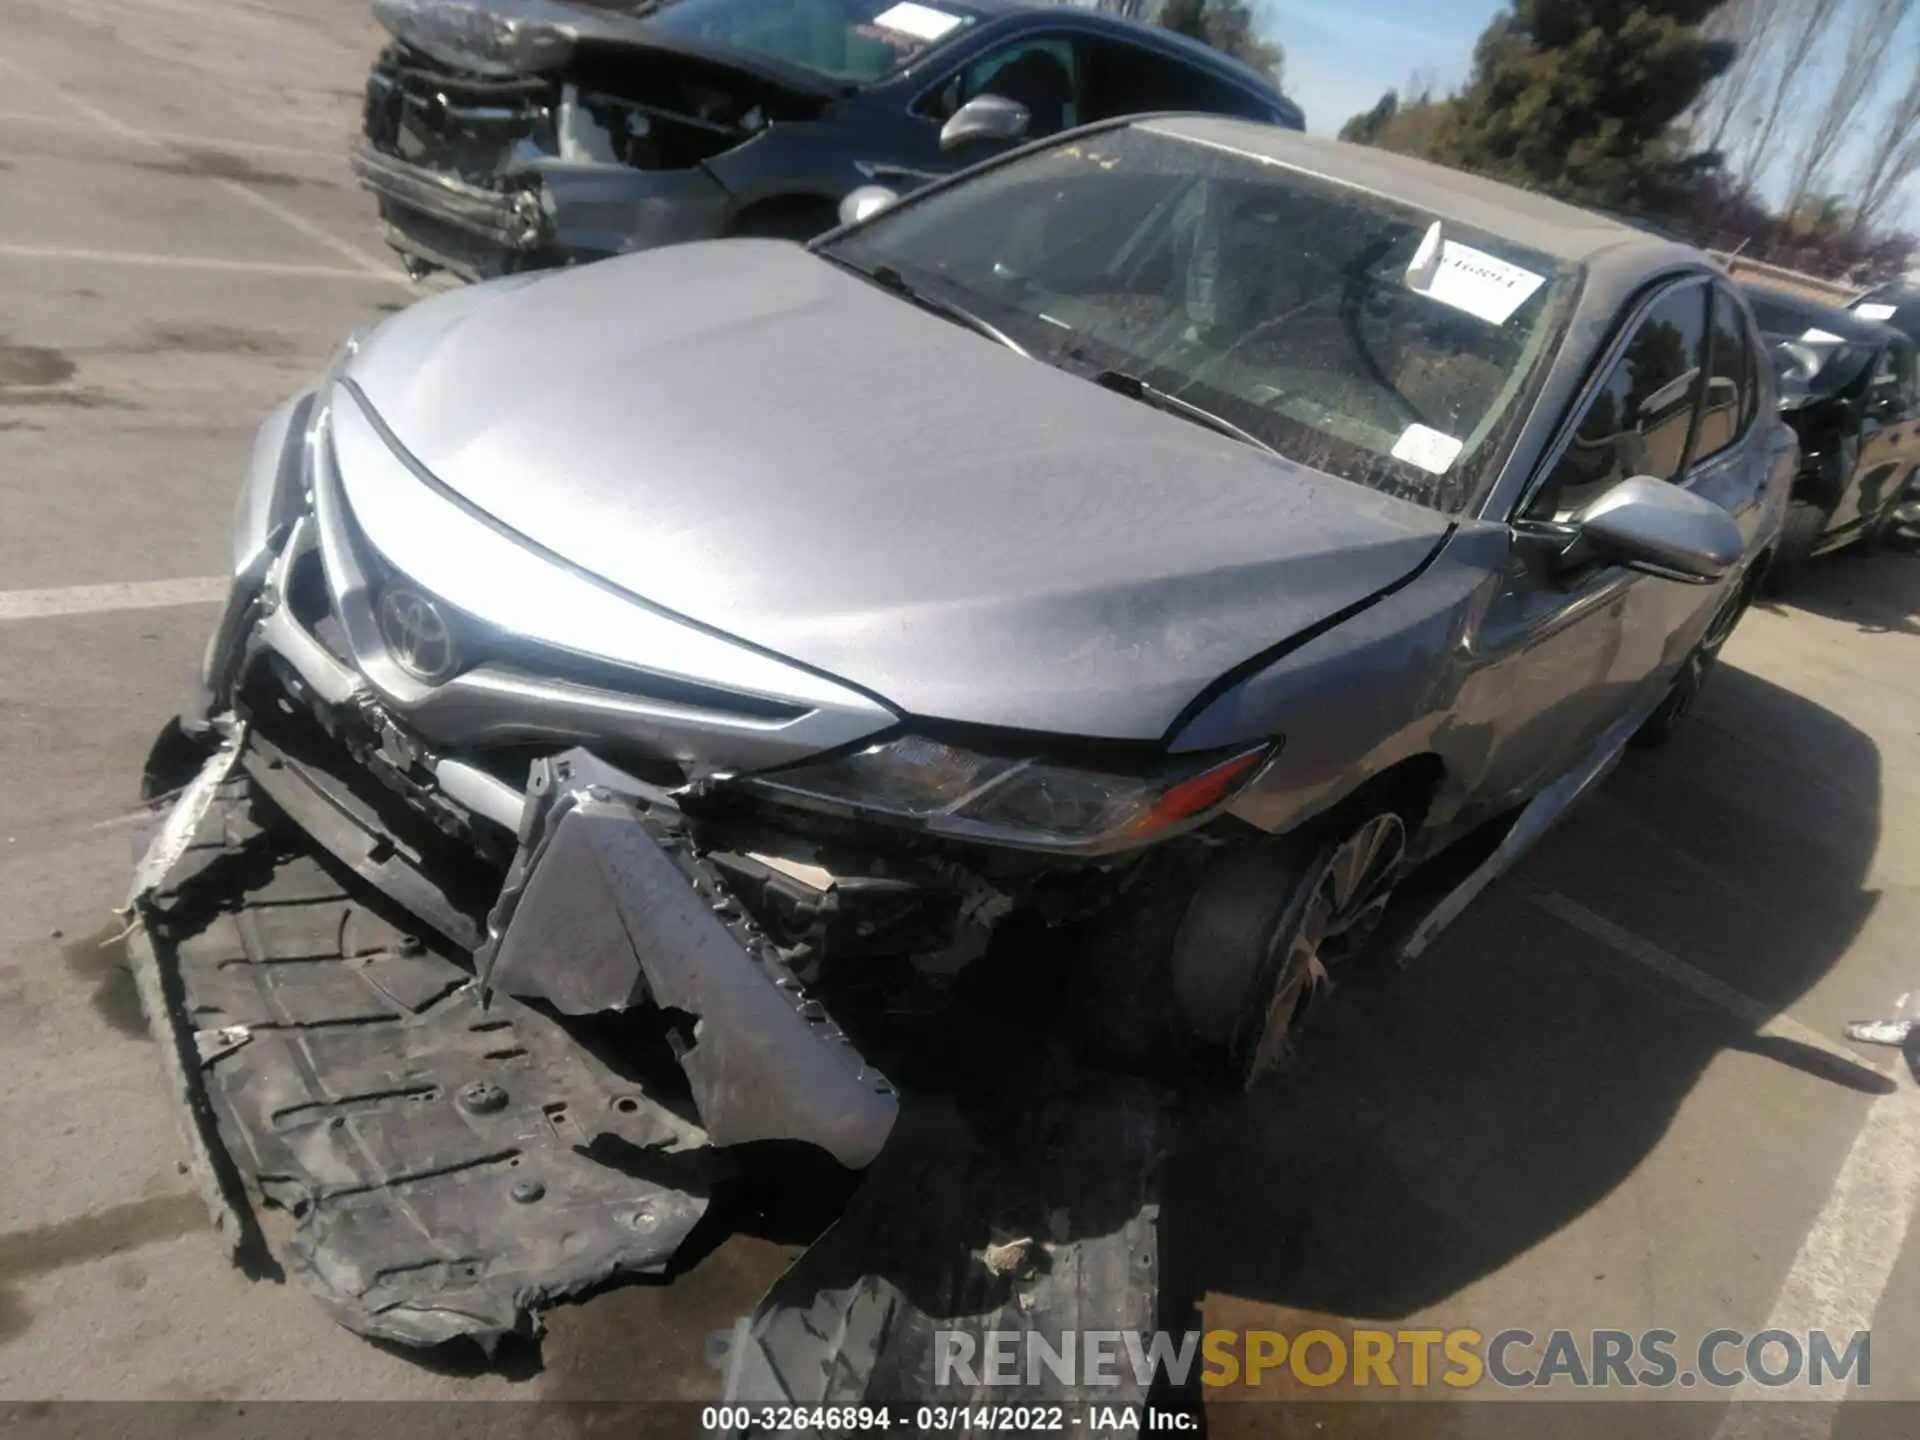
x=1269, y=927
x=1873, y=539
x=1660, y=726
x=1805, y=523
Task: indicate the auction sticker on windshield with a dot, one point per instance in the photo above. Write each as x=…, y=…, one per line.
x=1874, y=310
x=923, y=22
x=1432, y=450
x=1483, y=285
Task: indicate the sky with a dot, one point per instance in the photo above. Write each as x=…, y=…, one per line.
x=1341, y=54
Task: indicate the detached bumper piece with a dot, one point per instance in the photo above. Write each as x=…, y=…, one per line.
x=610, y=903
x=507, y=218
x=1033, y=1210
x=437, y=1155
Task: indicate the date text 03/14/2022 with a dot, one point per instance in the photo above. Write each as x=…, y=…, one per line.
x=933, y=1419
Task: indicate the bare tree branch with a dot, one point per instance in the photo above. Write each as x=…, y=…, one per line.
x=1894, y=155
x=1869, y=46
x=1754, y=27
x=1800, y=27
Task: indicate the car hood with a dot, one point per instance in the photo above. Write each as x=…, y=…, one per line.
x=531, y=37
x=748, y=436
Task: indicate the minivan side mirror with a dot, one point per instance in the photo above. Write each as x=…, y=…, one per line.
x=1660, y=529
x=985, y=117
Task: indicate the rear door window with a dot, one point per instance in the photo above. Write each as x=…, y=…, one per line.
x=1125, y=79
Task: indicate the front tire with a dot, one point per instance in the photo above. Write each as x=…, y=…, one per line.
x=1805, y=523
x=1874, y=538
x=1665, y=722
x=1267, y=925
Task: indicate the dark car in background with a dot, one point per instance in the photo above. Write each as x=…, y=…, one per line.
x=1896, y=304
x=513, y=135
x=1849, y=390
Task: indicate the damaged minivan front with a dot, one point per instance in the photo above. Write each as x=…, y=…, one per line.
x=510, y=135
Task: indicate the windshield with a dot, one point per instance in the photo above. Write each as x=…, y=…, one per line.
x=1895, y=305
x=1813, y=346
x=850, y=40
x=1344, y=330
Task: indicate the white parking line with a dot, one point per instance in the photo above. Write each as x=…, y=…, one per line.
x=287, y=268
x=1694, y=980
x=1837, y=1279
x=42, y=121
x=126, y=595
x=1843, y=1266
x=318, y=234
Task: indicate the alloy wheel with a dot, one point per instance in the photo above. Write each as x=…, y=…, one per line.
x=1347, y=894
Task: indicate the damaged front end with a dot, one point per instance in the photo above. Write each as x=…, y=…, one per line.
x=522, y=134
x=581, y=932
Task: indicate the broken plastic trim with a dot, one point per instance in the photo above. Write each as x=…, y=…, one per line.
x=449, y=1170
x=610, y=904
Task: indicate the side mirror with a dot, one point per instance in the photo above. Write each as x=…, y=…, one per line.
x=1661, y=529
x=865, y=201
x=985, y=117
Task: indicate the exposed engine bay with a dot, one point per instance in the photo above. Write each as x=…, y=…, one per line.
x=507, y=138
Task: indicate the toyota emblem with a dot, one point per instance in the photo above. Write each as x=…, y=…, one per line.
x=417, y=634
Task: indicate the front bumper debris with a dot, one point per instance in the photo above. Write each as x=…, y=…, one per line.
x=609, y=903
x=1032, y=1208
x=455, y=1159
x=506, y=220
x=451, y=1167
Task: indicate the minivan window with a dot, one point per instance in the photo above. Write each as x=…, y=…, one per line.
x=851, y=40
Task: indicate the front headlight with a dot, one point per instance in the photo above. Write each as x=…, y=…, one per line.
x=1023, y=802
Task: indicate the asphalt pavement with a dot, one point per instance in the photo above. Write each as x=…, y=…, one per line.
x=1590, y=1105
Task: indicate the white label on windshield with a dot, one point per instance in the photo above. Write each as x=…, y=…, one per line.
x=1432, y=450
x=1483, y=285
x=1874, y=310
x=1817, y=336
x=923, y=22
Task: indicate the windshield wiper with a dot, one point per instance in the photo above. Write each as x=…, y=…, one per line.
x=1132, y=386
x=892, y=281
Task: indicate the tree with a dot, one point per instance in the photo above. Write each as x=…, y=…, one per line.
x=1368, y=126
x=1580, y=97
x=1869, y=44
x=1409, y=125
x=1752, y=27
x=1800, y=24
x=1229, y=26
x=1893, y=154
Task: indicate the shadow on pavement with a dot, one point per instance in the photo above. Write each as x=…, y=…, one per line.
x=1878, y=593
x=1440, y=1121
x=1444, y=1120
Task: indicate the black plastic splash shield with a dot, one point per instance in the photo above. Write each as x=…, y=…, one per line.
x=434, y=1155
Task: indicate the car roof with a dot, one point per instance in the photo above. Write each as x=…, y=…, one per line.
x=1196, y=52
x=1552, y=227
x=1818, y=314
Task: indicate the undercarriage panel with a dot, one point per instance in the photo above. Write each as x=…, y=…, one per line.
x=448, y=1168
